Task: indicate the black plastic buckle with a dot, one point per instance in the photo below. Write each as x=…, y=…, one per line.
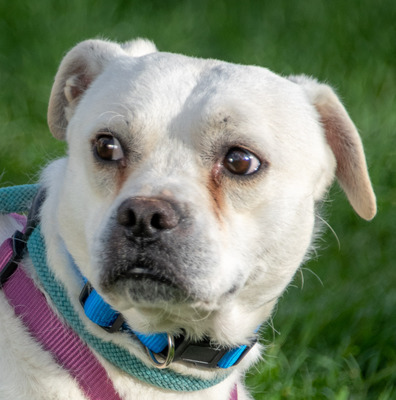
x=119, y=321
x=19, y=239
x=202, y=353
x=18, y=248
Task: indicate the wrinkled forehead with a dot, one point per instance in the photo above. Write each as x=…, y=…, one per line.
x=174, y=81
x=173, y=94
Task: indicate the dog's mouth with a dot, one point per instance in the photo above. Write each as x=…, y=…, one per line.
x=139, y=273
x=144, y=283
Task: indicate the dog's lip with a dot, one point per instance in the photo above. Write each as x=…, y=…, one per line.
x=140, y=273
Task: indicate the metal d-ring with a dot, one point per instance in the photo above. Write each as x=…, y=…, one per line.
x=169, y=357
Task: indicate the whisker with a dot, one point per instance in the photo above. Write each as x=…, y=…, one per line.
x=331, y=230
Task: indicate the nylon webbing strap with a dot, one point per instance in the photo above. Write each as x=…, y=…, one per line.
x=101, y=313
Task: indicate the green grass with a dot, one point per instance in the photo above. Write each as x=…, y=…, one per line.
x=336, y=334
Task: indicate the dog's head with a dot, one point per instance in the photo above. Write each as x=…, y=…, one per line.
x=189, y=191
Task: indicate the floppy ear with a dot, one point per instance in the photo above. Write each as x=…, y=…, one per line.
x=76, y=72
x=345, y=142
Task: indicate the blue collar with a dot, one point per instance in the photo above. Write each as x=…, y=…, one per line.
x=168, y=348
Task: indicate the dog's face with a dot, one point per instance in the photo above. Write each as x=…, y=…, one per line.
x=188, y=195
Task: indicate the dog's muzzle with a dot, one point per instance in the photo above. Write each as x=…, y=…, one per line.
x=144, y=221
x=153, y=250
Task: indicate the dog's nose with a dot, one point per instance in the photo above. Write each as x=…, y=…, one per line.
x=147, y=216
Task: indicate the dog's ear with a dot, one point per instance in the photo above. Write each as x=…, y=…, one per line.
x=345, y=142
x=77, y=71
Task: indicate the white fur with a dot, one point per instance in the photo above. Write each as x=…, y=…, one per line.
x=176, y=116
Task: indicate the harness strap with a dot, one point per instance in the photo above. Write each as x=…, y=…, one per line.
x=234, y=393
x=65, y=346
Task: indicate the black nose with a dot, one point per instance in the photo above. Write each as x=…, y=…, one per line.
x=147, y=216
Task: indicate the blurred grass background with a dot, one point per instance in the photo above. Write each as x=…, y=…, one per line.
x=335, y=327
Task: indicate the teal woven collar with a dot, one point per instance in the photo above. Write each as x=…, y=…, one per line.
x=18, y=199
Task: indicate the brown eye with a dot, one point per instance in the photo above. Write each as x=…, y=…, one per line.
x=241, y=162
x=108, y=148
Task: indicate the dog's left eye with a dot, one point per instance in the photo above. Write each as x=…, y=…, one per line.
x=108, y=148
x=241, y=162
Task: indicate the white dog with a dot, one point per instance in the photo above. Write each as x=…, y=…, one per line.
x=187, y=202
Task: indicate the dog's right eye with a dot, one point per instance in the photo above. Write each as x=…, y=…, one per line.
x=108, y=148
